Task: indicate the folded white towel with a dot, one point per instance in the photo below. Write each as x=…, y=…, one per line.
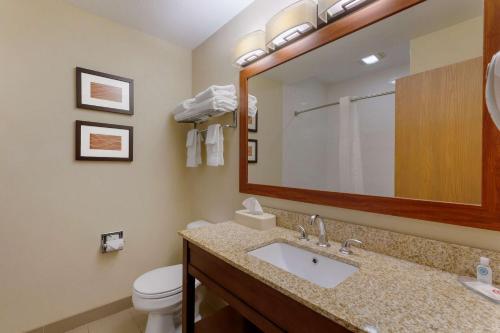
x=252, y=105
x=215, y=145
x=209, y=94
x=252, y=100
x=216, y=103
x=184, y=106
x=219, y=103
x=193, y=145
x=252, y=111
x=214, y=90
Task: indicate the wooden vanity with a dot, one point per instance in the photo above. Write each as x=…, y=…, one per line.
x=265, y=298
x=254, y=306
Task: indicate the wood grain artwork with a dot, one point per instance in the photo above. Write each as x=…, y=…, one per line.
x=105, y=142
x=439, y=133
x=103, y=91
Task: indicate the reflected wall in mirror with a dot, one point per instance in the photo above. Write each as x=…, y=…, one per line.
x=392, y=110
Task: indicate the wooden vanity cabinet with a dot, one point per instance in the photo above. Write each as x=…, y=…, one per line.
x=264, y=309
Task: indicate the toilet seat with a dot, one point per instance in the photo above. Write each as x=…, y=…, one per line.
x=160, y=283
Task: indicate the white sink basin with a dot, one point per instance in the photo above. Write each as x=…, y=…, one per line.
x=313, y=267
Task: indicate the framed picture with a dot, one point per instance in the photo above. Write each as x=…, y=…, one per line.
x=253, y=123
x=252, y=151
x=103, y=142
x=104, y=92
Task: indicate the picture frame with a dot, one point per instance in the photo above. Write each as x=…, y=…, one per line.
x=253, y=123
x=103, y=142
x=253, y=146
x=104, y=92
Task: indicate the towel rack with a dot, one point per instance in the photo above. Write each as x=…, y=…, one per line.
x=196, y=122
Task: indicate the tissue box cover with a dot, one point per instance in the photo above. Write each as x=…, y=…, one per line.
x=259, y=222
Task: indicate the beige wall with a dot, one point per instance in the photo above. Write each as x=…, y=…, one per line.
x=52, y=208
x=448, y=46
x=269, y=94
x=215, y=190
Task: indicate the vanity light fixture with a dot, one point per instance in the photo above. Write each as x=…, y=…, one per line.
x=330, y=9
x=372, y=59
x=291, y=23
x=250, y=48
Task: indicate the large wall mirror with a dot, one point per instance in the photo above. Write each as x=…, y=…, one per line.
x=389, y=118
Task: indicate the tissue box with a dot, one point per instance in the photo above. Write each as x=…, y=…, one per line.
x=259, y=222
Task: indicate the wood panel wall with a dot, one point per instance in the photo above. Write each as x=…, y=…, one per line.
x=439, y=134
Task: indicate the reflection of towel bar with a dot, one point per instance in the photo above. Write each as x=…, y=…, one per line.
x=353, y=99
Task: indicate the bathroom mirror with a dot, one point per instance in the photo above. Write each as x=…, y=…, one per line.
x=381, y=118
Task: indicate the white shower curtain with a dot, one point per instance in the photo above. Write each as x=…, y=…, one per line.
x=350, y=159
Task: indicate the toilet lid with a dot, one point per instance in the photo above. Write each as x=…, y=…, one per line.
x=160, y=282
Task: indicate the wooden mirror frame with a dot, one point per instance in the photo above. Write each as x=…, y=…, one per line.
x=486, y=215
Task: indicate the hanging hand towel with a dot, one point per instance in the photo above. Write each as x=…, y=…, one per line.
x=215, y=145
x=193, y=145
x=220, y=146
x=252, y=100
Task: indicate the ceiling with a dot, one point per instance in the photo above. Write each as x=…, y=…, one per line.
x=184, y=22
x=340, y=60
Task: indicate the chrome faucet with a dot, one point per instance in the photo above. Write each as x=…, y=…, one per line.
x=322, y=238
x=346, y=247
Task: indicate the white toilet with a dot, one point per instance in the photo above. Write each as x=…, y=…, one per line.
x=159, y=292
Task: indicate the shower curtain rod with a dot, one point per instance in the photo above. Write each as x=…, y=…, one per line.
x=353, y=99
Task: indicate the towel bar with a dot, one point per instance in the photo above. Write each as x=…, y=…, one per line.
x=197, y=121
x=234, y=124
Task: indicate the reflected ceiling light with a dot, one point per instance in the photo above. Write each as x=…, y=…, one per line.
x=291, y=23
x=249, y=48
x=392, y=81
x=372, y=59
x=328, y=9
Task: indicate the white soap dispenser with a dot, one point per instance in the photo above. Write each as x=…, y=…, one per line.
x=484, y=273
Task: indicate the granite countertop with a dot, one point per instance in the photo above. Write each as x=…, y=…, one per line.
x=385, y=295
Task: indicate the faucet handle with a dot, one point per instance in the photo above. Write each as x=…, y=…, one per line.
x=346, y=247
x=303, y=233
x=313, y=218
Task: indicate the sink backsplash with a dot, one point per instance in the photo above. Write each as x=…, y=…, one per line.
x=453, y=258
